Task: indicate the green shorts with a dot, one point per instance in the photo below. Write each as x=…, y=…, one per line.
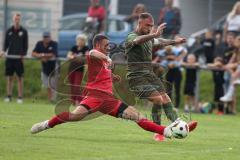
x=143, y=86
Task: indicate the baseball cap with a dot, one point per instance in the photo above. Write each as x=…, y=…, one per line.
x=46, y=34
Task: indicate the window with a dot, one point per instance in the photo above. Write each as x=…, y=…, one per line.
x=72, y=24
x=116, y=25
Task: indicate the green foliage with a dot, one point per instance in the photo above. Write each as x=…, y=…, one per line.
x=32, y=83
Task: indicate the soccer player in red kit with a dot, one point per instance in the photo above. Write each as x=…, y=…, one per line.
x=99, y=96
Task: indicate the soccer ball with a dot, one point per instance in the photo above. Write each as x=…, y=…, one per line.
x=180, y=130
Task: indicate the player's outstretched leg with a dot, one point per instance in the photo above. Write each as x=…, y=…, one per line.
x=156, y=117
x=79, y=113
x=131, y=113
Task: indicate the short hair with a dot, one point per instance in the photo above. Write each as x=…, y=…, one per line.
x=145, y=15
x=17, y=14
x=231, y=33
x=81, y=36
x=98, y=38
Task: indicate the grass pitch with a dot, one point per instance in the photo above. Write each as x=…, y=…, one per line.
x=107, y=138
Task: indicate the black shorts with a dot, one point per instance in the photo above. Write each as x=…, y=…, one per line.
x=143, y=86
x=189, y=89
x=218, y=92
x=14, y=66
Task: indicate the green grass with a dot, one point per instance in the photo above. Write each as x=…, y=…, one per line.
x=106, y=138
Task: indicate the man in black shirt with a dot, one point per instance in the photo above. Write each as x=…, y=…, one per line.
x=46, y=51
x=208, y=46
x=15, y=45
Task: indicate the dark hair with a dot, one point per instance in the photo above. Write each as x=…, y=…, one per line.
x=231, y=33
x=145, y=15
x=98, y=38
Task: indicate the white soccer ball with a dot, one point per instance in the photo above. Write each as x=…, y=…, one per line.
x=180, y=130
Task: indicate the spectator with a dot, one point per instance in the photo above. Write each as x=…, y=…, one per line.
x=76, y=67
x=46, y=51
x=190, y=83
x=15, y=44
x=233, y=20
x=228, y=47
x=226, y=50
x=97, y=11
x=234, y=68
x=218, y=79
x=174, y=75
x=137, y=10
x=208, y=46
x=172, y=16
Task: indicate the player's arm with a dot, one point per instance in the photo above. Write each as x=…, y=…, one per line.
x=98, y=55
x=161, y=42
x=145, y=38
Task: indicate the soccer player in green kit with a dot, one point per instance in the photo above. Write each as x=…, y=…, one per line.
x=142, y=80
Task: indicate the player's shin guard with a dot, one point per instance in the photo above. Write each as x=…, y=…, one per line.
x=151, y=126
x=170, y=113
x=59, y=119
x=156, y=114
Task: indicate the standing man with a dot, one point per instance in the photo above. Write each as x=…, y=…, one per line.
x=142, y=80
x=172, y=16
x=15, y=44
x=46, y=51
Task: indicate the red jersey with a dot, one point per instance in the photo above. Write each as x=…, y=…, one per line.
x=97, y=12
x=99, y=75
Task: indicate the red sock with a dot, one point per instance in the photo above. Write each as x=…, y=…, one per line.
x=151, y=126
x=59, y=119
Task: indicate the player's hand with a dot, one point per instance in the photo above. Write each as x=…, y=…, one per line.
x=109, y=60
x=116, y=78
x=160, y=29
x=180, y=40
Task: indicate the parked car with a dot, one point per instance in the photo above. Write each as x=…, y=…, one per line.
x=71, y=25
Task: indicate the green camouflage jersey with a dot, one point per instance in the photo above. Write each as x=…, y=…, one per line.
x=139, y=57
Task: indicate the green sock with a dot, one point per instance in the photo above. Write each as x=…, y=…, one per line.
x=156, y=114
x=170, y=113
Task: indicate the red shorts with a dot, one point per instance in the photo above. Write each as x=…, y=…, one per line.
x=103, y=102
